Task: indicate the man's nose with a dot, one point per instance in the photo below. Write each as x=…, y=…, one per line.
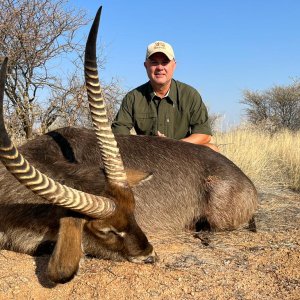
x=160, y=65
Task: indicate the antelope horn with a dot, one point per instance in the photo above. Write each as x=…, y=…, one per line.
x=40, y=184
x=113, y=164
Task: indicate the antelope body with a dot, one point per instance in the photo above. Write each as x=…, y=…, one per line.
x=166, y=186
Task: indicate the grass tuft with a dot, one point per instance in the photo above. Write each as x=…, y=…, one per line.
x=269, y=160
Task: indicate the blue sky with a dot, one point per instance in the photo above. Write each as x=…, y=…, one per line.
x=221, y=47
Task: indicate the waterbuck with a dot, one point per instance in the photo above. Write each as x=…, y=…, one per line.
x=103, y=195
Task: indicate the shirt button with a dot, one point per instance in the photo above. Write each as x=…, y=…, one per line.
x=168, y=120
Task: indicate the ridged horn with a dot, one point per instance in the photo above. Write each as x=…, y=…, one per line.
x=113, y=164
x=39, y=183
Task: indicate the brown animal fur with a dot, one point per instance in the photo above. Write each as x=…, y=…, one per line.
x=64, y=261
x=188, y=182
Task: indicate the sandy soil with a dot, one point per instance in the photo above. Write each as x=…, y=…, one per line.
x=228, y=265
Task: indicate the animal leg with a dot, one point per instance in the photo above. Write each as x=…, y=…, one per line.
x=252, y=225
x=64, y=261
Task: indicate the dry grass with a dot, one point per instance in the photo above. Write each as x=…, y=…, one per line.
x=269, y=160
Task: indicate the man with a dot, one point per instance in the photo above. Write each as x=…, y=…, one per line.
x=164, y=106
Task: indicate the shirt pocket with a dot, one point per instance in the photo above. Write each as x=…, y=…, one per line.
x=145, y=123
x=181, y=124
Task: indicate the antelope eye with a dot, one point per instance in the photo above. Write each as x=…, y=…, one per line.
x=107, y=231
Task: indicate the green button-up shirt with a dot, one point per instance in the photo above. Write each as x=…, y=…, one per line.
x=180, y=113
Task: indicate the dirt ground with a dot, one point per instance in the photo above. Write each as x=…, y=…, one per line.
x=228, y=265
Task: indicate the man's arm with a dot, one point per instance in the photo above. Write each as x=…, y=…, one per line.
x=123, y=121
x=201, y=139
x=197, y=138
x=200, y=127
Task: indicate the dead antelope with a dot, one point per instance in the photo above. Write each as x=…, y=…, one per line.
x=94, y=195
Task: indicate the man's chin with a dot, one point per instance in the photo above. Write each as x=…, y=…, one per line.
x=160, y=81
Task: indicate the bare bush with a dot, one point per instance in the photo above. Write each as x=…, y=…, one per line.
x=33, y=34
x=40, y=96
x=274, y=109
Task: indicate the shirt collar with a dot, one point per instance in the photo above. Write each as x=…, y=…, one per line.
x=171, y=94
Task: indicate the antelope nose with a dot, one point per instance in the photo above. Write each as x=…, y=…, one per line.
x=146, y=259
x=150, y=260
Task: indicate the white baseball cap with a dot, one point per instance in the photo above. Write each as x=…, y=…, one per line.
x=160, y=46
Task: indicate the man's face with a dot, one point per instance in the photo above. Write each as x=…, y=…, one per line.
x=159, y=69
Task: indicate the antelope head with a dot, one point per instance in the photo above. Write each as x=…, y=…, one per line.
x=109, y=218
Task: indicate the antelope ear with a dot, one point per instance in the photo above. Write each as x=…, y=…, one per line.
x=136, y=177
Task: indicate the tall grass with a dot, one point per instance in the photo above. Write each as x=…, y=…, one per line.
x=271, y=161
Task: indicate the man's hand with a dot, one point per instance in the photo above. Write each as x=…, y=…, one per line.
x=201, y=139
x=160, y=134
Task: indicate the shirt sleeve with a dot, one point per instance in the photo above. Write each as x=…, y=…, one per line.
x=123, y=121
x=199, y=116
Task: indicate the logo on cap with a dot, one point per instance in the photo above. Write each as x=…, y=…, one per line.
x=159, y=45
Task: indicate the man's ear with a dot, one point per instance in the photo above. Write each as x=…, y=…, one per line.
x=136, y=177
